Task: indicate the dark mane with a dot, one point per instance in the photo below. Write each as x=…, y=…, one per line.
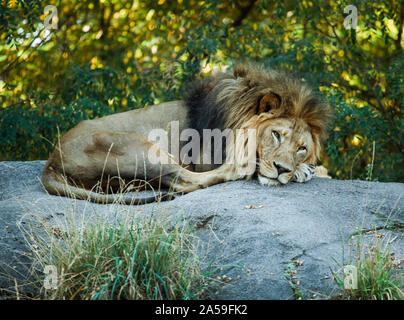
x=201, y=100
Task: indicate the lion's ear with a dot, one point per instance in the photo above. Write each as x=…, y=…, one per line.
x=267, y=102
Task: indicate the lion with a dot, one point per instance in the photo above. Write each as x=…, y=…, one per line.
x=288, y=120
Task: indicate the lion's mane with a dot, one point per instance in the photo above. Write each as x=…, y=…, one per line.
x=230, y=99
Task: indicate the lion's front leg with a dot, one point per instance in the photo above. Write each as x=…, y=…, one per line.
x=304, y=172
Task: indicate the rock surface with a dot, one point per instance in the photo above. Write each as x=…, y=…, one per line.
x=254, y=232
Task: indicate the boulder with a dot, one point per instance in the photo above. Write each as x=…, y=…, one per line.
x=273, y=242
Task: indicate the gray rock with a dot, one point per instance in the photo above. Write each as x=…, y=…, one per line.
x=312, y=223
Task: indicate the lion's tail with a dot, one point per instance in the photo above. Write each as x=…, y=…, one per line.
x=56, y=185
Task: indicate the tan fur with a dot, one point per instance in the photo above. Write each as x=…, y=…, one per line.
x=113, y=150
x=321, y=172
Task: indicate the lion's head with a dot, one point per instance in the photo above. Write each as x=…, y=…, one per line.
x=289, y=119
x=283, y=143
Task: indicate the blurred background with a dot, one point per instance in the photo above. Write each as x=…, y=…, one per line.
x=96, y=57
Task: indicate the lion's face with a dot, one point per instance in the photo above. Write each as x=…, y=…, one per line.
x=283, y=143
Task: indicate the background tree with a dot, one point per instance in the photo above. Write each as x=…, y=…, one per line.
x=108, y=56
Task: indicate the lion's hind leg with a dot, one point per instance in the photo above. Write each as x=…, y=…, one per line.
x=111, y=166
x=131, y=156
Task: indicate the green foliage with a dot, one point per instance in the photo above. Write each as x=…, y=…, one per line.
x=10, y=18
x=110, y=56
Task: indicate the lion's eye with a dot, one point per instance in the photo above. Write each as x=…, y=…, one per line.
x=301, y=149
x=276, y=135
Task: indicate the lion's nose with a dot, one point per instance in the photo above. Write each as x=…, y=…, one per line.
x=281, y=169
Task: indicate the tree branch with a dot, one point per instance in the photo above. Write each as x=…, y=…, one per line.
x=244, y=13
x=400, y=28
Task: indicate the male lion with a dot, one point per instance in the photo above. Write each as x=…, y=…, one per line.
x=289, y=123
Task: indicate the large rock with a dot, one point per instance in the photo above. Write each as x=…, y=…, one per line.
x=253, y=232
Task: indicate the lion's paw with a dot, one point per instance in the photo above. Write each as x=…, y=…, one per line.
x=304, y=172
x=267, y=182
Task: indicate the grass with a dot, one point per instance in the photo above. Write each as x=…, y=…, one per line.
x=290, y=270
x=377, y=273
x=127, y=258
x=145, y=258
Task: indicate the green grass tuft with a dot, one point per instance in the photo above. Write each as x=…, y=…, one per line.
x=377, y=274
x=128, y=259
